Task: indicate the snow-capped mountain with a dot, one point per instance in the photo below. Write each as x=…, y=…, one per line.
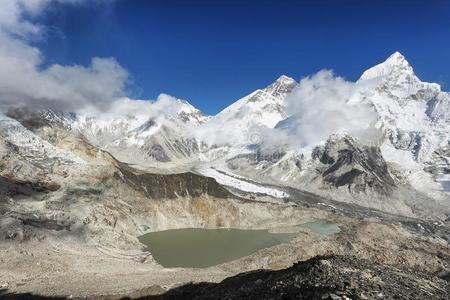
x=238, y=124
x=409, y=160
x=413, y=118
x=413, y=115
x=32, y=146
x=136, y=124
x=137, y=136
x=397, y=75
x=264, y=107
x=189, y=114
x=402, y=100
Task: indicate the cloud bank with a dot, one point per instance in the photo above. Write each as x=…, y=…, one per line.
x=324, y=104
x=321, y=105
x=23, y=81
x=164, y=106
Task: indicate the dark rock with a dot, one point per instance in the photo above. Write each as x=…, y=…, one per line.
x=331, y=277
x=44, y=223
x=358, y=167
x=14, y=187
x=160, y=186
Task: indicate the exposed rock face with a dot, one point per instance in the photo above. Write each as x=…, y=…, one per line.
x=332, y=277
x=321, y=277
x=441, y=161
x=281, y=87
x=356, y=167
x=169, y=186
x=14, y=187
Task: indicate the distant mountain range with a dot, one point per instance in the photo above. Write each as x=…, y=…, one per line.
x=405, y=169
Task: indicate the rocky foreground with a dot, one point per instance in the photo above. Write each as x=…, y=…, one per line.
x=321, y=277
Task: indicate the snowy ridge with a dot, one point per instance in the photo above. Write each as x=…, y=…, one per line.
x=414, y=114
x=189, y=114
x=262, y=107
x=31, y=146
x=398, y=78
x=137, y=131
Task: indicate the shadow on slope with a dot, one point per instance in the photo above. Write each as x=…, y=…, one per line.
x=330, y=277
x=5, y=295
x=321, y=277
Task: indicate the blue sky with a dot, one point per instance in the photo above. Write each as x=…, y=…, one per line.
x=213, y=52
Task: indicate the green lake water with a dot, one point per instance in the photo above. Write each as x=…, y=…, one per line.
x=321, y=227
x=199, y=248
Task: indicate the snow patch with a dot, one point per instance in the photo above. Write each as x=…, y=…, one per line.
x=240, y=183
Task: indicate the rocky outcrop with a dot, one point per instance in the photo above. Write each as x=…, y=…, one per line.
x=440, y=162
x=13, y=187
x=329, y=277
x=344, y=163
x=169, y=186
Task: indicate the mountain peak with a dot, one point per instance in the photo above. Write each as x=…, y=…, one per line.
x=394, y=64
x=396, y=56
x=397, y=59
x=285, y=79
x=281, y=87
x=188, y=113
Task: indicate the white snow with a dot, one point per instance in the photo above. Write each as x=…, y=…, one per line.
x=31, y=145
x=328, y=205
x=262, y=108
x=239, y=182
x=403, y=158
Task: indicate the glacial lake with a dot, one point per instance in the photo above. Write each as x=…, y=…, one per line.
x=321, y=227
x=446, y=185
x=444, y=180
x=199, y=248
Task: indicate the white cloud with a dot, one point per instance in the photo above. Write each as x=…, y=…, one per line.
x=11, y=17
x=323, y=105
x=23, y=81
x=164, y=105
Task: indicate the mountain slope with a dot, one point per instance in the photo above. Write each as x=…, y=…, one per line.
x=414, y=116
x=262, y=108
x=147, y=135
